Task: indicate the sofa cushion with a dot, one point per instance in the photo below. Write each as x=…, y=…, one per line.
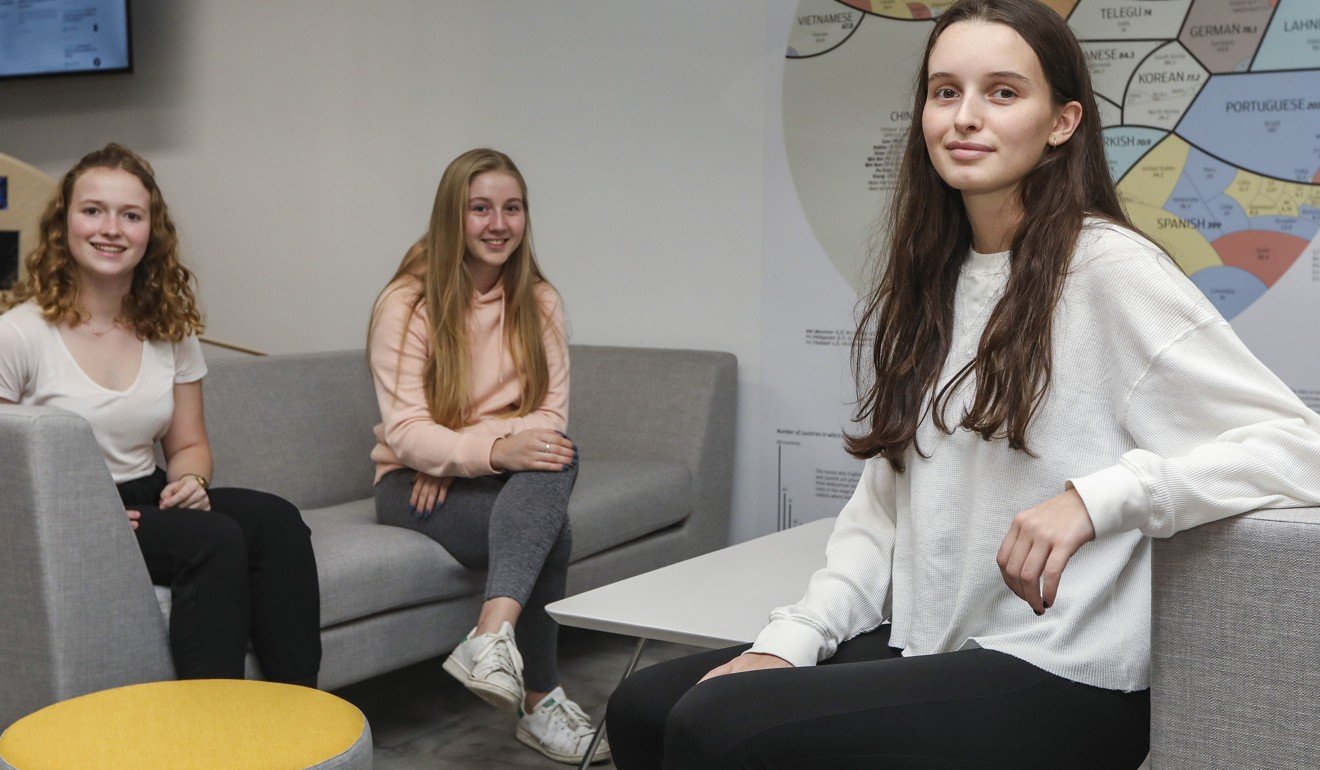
x=366, y=568
x=619, y=500
x=299, y=427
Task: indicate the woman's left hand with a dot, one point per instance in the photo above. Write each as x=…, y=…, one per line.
x=185, y=492
x=1039, y=544
x=425, y=495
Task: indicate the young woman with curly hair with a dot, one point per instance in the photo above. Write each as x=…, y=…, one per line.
x=104, y=324
x=469, y=353
x=1042, y=392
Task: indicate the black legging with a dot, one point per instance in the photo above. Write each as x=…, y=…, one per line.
x=243, y=569
x=869, y=707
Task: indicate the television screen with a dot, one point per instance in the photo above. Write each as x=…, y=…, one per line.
x=62, y=37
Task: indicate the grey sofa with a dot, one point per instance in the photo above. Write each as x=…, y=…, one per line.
x=78, y=612
x=1235, y=670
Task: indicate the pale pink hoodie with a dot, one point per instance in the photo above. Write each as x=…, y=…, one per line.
x=407, y=436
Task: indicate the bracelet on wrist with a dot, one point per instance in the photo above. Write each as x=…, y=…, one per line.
x=200, y=479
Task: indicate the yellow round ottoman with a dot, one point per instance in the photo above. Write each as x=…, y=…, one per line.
x=201, y=724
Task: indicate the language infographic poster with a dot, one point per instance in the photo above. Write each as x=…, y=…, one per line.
x=1211, y=111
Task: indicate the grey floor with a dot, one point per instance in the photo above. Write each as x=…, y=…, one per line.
x=422, y=718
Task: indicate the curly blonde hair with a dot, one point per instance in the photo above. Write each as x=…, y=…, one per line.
x=161, y=303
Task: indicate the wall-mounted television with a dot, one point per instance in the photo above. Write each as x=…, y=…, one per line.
x=64, y=37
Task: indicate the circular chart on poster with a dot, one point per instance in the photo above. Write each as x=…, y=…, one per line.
x=1211, y=115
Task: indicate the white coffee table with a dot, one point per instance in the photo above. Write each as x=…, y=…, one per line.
x=714, y=600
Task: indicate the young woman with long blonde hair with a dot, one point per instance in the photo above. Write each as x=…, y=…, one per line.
x=469, y=355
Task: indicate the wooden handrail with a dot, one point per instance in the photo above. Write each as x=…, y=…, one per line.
x=232, y=346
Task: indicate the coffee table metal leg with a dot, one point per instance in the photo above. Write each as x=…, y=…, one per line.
x=600, y=731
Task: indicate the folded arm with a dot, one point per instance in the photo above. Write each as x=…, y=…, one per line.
x=1218, y=434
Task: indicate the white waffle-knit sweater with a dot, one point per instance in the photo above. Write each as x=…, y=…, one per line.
x=1156, y=413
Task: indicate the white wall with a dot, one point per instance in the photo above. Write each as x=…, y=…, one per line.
x=299, y=143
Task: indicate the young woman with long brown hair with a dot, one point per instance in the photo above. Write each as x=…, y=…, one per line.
x=1044, y=393
x=469, y=354
x=104, y=324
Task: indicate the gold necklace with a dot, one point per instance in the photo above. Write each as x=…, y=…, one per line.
x=99, y=333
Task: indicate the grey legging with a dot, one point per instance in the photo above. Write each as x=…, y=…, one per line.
x=516, y=527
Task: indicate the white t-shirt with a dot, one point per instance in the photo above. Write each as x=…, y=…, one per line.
x=37, y=369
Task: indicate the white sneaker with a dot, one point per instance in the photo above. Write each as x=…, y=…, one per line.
x=560, y=729
x=489, y=665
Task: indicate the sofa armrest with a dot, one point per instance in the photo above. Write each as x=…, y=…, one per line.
x=77, y=611
x=1235, y=678
x=671, y=404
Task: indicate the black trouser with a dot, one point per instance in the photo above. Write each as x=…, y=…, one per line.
x=869, y=707
x=244, y=568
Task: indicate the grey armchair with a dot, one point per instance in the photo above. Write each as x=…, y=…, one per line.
x=65, y=623
x=1236, y=644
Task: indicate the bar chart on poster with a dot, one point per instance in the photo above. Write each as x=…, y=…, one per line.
x=1211, y=115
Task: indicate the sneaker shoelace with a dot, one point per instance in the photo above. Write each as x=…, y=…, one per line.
x=500, y=655
x=569, y=717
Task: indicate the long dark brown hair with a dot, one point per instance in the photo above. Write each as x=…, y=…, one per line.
x=161, y=303
x=910, y=313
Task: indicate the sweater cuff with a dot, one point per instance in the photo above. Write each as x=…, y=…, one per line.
x=796, y=643
x=474, y=454
x=1115, y=498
